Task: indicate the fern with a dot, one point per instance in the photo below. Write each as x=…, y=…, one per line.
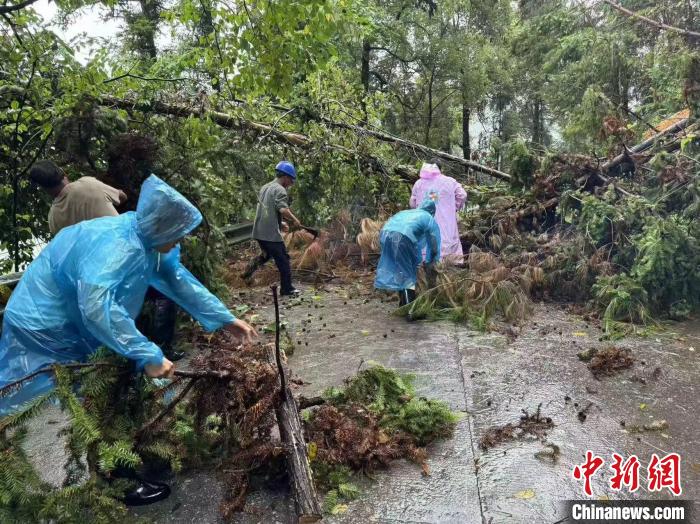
x=348, y=491
x=166, y=452
x=117, y=454
x=330, y=501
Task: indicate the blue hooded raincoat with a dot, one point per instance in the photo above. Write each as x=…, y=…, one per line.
x=403, y=239
x=88, y=285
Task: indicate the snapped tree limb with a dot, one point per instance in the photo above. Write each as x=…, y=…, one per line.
x=655, y=23
x=295, y=139
x=15, y=7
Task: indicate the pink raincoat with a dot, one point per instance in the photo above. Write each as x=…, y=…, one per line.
x=450, y=196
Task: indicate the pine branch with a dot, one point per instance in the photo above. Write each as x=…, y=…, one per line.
x=17, y=384
x=31, y=409
x=13, y=386
x=168, y=408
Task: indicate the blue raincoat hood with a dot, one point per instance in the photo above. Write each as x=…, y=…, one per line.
x=429, y=206
x=87, y=286
x=163, y=215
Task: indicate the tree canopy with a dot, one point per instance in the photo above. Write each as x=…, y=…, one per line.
x=469, y=78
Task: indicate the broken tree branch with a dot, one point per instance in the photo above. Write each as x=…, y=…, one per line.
x=309, y=402
x=655, y=23
x=8, y=388
x=171, y=405
x=15, y=7
x=296, y=139
x=646, y=144
x=300, y=477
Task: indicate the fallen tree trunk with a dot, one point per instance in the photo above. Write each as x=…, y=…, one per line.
x=296, y=139
x=643, y=146
x=298, y=468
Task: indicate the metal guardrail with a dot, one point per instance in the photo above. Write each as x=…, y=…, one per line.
x=235, y=234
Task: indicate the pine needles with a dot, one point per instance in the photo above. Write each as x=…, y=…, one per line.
x=486, y=289
x=375, y=419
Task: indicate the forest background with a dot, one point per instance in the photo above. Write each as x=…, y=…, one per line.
x=211, y=94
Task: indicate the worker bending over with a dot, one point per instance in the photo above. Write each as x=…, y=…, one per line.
x=88, y=284
x=403, y=239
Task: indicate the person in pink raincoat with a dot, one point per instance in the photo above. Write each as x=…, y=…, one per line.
x=450, y=197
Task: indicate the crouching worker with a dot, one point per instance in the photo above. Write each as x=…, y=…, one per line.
x=403, y=239
x=88, y=285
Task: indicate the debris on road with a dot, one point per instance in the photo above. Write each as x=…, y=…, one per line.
x=610, y=361
x=535, y=425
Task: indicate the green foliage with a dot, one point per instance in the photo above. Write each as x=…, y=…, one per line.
x=425, y=419
x=667, y=262
x=84, y=427
x=622, y=298
x=337, y=482
x=92, y=501
x=392, y=397
x=21, y=489
x=522, y=164
x=117, y=454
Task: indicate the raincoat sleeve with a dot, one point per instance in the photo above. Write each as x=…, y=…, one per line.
x=112, y=325
x=460, y=196
x=178, y=284
x=432, y=253
x=415, y=198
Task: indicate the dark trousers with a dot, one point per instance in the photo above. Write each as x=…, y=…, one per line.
x=278, y=252
x=406, y=296
x=161, y=328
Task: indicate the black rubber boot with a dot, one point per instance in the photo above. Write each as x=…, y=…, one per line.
x=147, y=492
x=406, y=296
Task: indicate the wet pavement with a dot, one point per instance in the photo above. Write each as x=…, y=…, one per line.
x=490, y=378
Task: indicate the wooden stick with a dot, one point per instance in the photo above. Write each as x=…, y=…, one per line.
x=278, y=356
x=301, y=478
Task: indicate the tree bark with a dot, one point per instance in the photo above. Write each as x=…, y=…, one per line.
x=298, y=468
x=429, y=120
x=537, y=122
x=364, y=68
x=466, y=139
x=292, y=434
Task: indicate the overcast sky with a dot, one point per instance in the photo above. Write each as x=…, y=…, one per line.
x=89, y=22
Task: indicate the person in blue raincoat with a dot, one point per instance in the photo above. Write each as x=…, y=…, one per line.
x=87, y=286
x=403, y=240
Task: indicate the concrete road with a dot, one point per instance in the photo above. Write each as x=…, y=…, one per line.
x=490, y=378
